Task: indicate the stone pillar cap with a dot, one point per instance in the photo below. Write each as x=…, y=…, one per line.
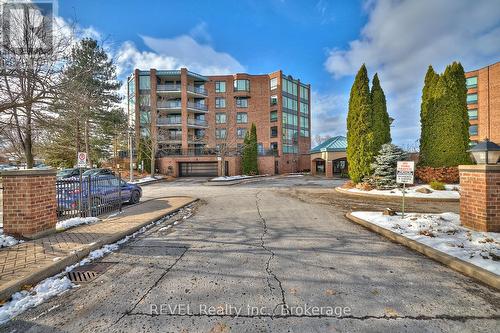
x=29, y=172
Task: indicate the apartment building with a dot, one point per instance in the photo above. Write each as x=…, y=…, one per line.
x=197, y=123
x=483, y=103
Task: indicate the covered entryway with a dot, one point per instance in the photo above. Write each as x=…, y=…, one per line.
x=340, y=167
x=320, y=166
x=198, y=169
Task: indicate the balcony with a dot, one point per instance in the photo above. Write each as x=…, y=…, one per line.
x=197, y=123
x=174, y=122
x=170, y=138
x=197, y=139
x=168, y=88
x=197, y=107
x=197, y=91
x=168, y=105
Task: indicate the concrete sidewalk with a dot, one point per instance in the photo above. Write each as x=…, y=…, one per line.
x=32, y=261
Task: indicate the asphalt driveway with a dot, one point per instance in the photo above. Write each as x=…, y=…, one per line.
x=255, y=258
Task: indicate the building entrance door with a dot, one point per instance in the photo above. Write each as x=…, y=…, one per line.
x=320, y=166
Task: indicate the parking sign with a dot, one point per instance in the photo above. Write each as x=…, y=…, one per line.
x=82, y=160
x=405, y=172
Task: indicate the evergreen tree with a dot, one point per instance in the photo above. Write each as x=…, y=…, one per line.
x=250, y=153
x=445, y=123
x=431, y=78
x=381, y=120
x=384, y=175
x=360, y=138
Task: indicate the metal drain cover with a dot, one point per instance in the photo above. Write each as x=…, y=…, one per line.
x=88, y=272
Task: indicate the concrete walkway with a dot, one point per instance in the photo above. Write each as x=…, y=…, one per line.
x=30, y=262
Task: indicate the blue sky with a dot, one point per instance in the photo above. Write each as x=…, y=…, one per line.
x=321, y=42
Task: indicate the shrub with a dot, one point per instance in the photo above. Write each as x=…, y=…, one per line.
x=447, y=175
x=437, y=186
x=365, y=186
x=349, y=184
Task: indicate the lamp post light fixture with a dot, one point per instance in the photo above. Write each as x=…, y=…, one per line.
x=485, y=152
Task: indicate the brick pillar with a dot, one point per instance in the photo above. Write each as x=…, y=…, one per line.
x=480, y=197
x=29, y=202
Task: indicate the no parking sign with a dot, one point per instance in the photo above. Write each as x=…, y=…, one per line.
x=81, y=160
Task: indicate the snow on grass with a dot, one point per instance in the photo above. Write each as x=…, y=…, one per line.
x=237, y=177
x=451, y=192
x=443, y=233
x=75, y=221
x=145, y=179
x=6, y=241
x=58, y=284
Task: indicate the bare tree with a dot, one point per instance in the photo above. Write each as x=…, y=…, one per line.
x=318, y=139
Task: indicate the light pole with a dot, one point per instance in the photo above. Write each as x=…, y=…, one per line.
x=131, y=157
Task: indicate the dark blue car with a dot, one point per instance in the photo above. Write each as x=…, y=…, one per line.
x=105, y=192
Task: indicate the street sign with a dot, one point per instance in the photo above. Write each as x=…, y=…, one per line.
x=82, y=160
x=405, y=171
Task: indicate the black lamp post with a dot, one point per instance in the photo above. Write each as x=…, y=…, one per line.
x=485, y=152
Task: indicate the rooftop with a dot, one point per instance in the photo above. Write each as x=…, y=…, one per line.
x=337, y=143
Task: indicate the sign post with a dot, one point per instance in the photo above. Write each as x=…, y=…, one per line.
x=405, y=172
x=81, y=162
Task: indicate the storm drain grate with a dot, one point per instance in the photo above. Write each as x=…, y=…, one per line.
x=88, y=272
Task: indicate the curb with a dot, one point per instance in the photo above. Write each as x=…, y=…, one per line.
x=456, y=264
x=59, y=266
x=151, y=182
x=234, y=181
x=382, y=196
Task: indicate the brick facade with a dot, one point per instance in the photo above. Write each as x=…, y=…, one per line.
x=480, y=197
x=29, y=202
x=488, y=102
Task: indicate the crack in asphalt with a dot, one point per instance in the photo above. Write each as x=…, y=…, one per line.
x=271, y=257
x=273, y=316
x=154, y=285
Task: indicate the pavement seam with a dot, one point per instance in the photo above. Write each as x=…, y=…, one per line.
x=384, y=317
x=271, y=257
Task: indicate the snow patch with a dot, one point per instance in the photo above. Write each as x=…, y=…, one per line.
x=145, y=179
x=6, y=241
x=451, y=192
x=444, y=233
x=75, y=221
x=218, y=179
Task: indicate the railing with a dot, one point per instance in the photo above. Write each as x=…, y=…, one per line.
x=90, y=196
x=168, y=87
x=196, y=152
x=197, y=106
x=197, y=138
x=170, y=137
x=197, y=122
x=168, y=105
x=168, y=121
x=268, y=152
x=197, y=90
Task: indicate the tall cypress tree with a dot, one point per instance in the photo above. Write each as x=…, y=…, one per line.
x=445, y=123
x=250, y=153
x=381, y=122
x=430, y=82
x=360, y=139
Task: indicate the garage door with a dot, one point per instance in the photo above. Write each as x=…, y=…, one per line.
x=198, y=169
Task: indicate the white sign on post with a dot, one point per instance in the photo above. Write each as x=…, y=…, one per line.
x=405, y=172
x=82, y=160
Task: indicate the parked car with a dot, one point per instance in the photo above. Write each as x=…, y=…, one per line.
x=98, y=172
x=104, y=193
x=7, y=167
x=69, y=173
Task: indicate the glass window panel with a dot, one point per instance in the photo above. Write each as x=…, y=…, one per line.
x=472, y=114
x=241, y=102
x=241, y=118
x=220, y=86
x=274, y=83
x=220, y=102
x=471, y=82
x=471, y=98
x=144, y=82
x=220, y=118
x=473, y=130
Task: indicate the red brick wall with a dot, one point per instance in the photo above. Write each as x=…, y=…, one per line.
x=480, y=197
x=29, y=202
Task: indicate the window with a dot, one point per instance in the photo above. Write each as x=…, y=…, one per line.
x=220, y=102
x=472, y=114
x=304, y=93
x=304, y=108
x=144, y=82
x=472, y=99
x=260, y=149
x=289, y=103
x=241, y=85
x=274, y=83
x=220, y=86
x=274, y=116
x=289, y=119
x=289, y=87
x=241, y=118
x=241, y=102
x=274, y=131
x=240, y=132
x=471, y=82
x=144, y=100
x=473, y=130
x=274, y=100
x=273, y=146
x=220, y=118
x=220, y=133
x=304, y=126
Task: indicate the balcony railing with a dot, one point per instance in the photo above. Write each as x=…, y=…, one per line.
x=169, y=121
x=197, y=106
x=197, y=122
x=168, y=105
x=168, y=87
x=197, y=90
x=170, y=137
x=201, y=151
x=196, y=138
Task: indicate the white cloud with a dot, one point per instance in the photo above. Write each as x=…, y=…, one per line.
x=328, y=112
x=401, y=38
